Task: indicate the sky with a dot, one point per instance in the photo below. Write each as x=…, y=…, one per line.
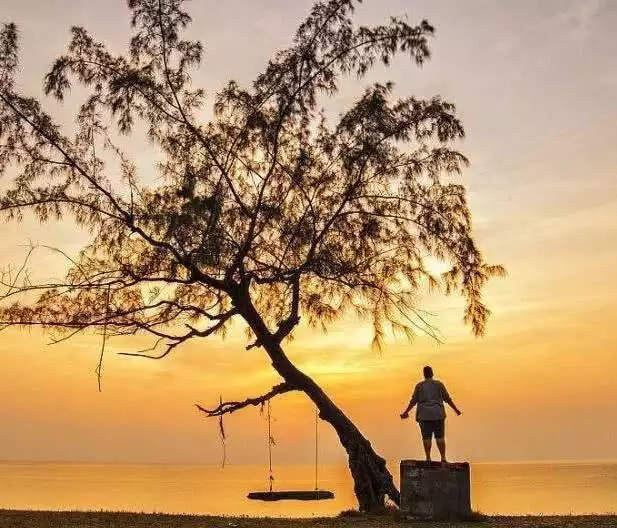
x=536, y=87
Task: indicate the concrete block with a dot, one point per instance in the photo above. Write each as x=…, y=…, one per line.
x=431, y=490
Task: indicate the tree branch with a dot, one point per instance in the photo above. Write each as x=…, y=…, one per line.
x=233, y=406
x=288, y=324
x=175, y=341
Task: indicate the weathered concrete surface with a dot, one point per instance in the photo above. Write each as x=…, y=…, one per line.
x=431, y=490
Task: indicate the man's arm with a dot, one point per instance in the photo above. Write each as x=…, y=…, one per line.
x=448, y=400
x=411, y=405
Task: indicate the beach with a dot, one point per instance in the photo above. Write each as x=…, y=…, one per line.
x=40, y=519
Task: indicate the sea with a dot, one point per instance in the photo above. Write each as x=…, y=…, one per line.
x=497, y=488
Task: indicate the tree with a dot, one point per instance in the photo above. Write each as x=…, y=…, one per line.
x=267, y=211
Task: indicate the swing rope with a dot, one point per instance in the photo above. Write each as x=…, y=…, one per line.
x=271, y=442
x=271, y=495
x=316, y=448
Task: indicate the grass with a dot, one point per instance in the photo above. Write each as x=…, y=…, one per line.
x=45, y=519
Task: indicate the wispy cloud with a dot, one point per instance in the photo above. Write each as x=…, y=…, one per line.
x=575, y=21
x=544, y=36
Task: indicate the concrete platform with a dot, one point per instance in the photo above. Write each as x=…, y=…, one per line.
x=432, y=490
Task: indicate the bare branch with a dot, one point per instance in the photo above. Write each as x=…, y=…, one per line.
x=233, y=406
x=176, y=341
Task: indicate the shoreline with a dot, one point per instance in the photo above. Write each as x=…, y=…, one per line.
x=92, y=519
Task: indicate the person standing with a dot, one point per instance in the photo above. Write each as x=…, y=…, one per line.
x=429, y=396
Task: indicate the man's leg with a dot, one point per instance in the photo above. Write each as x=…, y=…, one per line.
x=441, y=445
x=427, y=448
x=427, y=433
x=440, y=440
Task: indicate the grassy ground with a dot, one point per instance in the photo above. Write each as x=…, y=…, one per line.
x=29, y=519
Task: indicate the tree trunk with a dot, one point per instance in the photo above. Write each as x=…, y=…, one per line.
x=372, y=480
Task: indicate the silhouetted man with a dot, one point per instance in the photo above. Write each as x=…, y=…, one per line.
x=429, y=396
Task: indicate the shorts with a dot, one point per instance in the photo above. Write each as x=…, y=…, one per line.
x=432, y=427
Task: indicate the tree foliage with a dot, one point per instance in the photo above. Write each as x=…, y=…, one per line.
x=271, y=201
x=266, y=212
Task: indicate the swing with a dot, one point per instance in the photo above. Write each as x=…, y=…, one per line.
x=303, y=495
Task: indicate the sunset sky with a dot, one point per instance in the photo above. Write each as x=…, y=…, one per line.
x=536, y=86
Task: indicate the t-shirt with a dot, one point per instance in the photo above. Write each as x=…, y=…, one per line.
x=429, y=396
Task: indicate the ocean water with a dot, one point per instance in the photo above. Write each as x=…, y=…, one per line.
x=509, y=489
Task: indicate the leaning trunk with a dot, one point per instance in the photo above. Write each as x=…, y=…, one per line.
x=372, y=480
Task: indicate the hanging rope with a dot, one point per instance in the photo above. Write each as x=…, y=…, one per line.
x=222, y=436
x=99, y=367
x=316, y=447
x=270, y=444
x=271, y=495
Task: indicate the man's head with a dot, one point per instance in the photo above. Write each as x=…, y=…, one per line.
x=428, y=372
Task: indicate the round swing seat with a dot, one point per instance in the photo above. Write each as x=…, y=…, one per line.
x=302, y=495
